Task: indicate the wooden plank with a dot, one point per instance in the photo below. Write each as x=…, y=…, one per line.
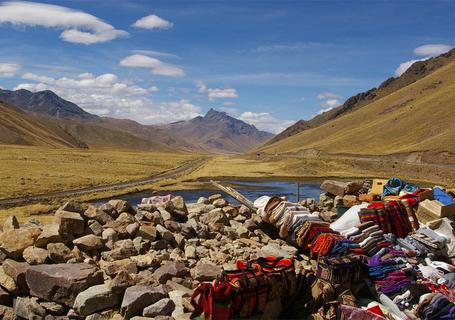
x=235, y=194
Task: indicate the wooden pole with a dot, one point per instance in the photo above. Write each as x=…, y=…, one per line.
x=235, y=194
x=298, y=191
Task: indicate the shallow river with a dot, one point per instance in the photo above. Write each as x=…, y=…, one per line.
x=251, y=189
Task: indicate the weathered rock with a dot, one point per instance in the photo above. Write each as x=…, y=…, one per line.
x=164, y=307
x=121, y=282
x=17, y=271
x=50, y=234
x=203, y=200
x=170, y=270
x=8, y=282
x=138, y=297
x=122, y=249
x=206, y=271
x=190, y=252
x=62, y=282
x=215, y=197
x=121, y=223
x=53, y=307
x=94, y=299
x=89, y=243
x=109, y=236
x=13, y=242
x=10, y=223
x=230, y=210
x=59, y=252
x=220, y=203
x=147, y=260
x=34, y=255
x=98, y=215
x=147, y=231
x=337, y=188
x=349, y=200
x=165, y=215
x=215, y=216
x=7, y=313
x=121, y=206
x=72, y=206
x=69, y=222
x=277, y=251
x=132, y=229
x=114, y=267
x=94, y=227
x=245, y=211
x=28, y=308
x=164, y=233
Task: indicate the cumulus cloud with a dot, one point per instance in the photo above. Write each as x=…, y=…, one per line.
x=328, y=95
x=231, y=111
x=406, y=65
x=107, y=95
x=432, y=49
x=156, y=66
x=265, y=121
x=322, y=111
x=152, y=22
x=331, y=103
x=216, y=93
x=8, y=69
x=78, y=26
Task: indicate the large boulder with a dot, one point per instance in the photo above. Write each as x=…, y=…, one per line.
x=216, y=216
x=89, y=243
x=17, y=271
x=34, y=255
x=170, y=270
x=121, y=206
x=50, y=234
x=69, y=222
x=164, y=307
x=114, y=267
x=59, y=252
x=137, y=297
x=98, y=215
x=94, y=299
x=8, y=282
x=147, y=232
x=13, y=242
x=62, y=282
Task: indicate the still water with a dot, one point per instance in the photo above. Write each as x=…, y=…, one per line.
x=250, y=189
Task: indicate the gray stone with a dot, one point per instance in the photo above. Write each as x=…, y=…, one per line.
x=206, y=271
x=220, y=203
x=7, y=313
x=62, y=282
x=8, y=282
x=69, y=222
x=337, y=188
x=29, y=308
x=122, y=249
x=94, y=299
x=138, y=297
x=72, y=207
x=50, y=234
x=98, y=215
x=216, y=216
x=121, y=282
x=53, y=307
x=170, y=270
x=132, y=229
x=190, y=252
x=34, y=255
x=147, y=232
x=164, y=307
x=203, y=200
x=89, y=243
x=164, y=233
x=13, y=242
x=114, y=267
x=121, y=206
x=121, y=223
x=95, y=228
x=59, y=252
x=17, y=271
x=215, y=197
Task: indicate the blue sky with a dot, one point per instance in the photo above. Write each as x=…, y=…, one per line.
x=269, y=63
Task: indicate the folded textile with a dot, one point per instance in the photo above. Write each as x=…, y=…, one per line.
x=442, y=196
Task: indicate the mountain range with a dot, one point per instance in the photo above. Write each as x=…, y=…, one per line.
x=411, y=114
x=70, y=126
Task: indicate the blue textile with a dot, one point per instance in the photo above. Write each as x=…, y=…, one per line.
x=393, y=187
x=441, y=196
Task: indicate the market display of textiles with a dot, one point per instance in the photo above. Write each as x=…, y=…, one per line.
x=375, y=261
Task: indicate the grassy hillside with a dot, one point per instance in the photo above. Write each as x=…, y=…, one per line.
x=418, y=117
x=17, y=127
x=34, y=170
x=417, y=71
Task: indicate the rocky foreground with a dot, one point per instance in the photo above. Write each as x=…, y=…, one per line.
x=116, y=262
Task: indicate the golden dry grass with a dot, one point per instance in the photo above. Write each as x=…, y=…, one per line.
x=34, y=170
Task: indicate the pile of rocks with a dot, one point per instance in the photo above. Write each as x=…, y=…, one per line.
x=116, y=262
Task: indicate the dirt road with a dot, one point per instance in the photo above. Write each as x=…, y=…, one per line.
x=185, y=168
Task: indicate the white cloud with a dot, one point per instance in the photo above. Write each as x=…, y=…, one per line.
x=328, y=95
x=331, y=103
x=322, y=111
x=152, y=22
x=78, y=26
x=216, y=93
x=265, y=121
x=406, y=65
x=156, y=66
x=107, y=95
x=156, y=53
x=432, y=49
x=229, y=103
x=8, y=69
x=231, y=111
